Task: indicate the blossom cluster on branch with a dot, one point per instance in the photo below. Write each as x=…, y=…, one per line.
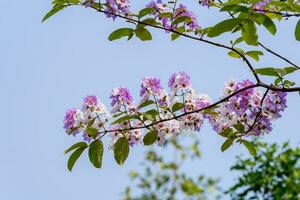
x=161, y=114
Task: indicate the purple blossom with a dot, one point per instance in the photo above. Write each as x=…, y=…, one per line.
x=121, y=95
x=158, y=6
x=180, y=80
x=72, y=120
x=206, y=3
x=117, y=7
x=183, y=11
x=248, y=109
x=259, y=6
x=88, y=3
x=90, y=100
x=150, y=85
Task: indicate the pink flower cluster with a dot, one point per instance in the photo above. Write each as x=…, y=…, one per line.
x=251, y=108
x=175, y=111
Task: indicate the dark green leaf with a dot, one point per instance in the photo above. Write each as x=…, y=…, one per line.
x=143, y=34
x=177, y=106
x=119, y=114
x=182, y=19
x=224, y=26
x=227, y=132
x=122, y=119
x=146, y=103
x=54, y=10
x=75, y=146
x=166, y=15
x=297, y=31
x=96, y=153
x=150, y=137
x=92, y=132
x=74, y=157
x=226, y=144
x=121, y=150
x=150, y=114
x=239, y=127
x=174, y=36
x=150, y=21
x=122, y=32
x=146, y=11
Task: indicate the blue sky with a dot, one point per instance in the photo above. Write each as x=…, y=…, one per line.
x=47, y=68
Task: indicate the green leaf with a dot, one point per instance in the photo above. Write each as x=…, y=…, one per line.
x=239, y=127
x=297, y=31
x=122, y=32
x=74, y=157
x=236, y=8
x=254, y=54
x=146, y=11
x=233, y=54
x=92, y=132
x=228, y=132
x=143, y=34
x=166, y=15
x=266, y=71
x=190, y=188
x=150, y=21
x=226, y=144
x=249, y=33
x=269, y=25
x=290, y=70
x=52, y=12
x=224, y=26
x=96, y=153
x=146, y=103
x=276, y=71
x=150, y=137
x=182, y=19
x=118, y=114
x=250, y=147
x=174, y=36
x=150, y=114
x=122, y=119
x=75, y=146
x=121, y=150
x=177, y=106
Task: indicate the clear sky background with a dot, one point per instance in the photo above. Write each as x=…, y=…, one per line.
x=47, y=68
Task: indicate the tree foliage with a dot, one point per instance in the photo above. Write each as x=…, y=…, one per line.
x=163, y=177
x=273, y=174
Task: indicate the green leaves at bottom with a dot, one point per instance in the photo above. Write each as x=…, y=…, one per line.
x=121, y=150
x=74, y=157
x=96, y=153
